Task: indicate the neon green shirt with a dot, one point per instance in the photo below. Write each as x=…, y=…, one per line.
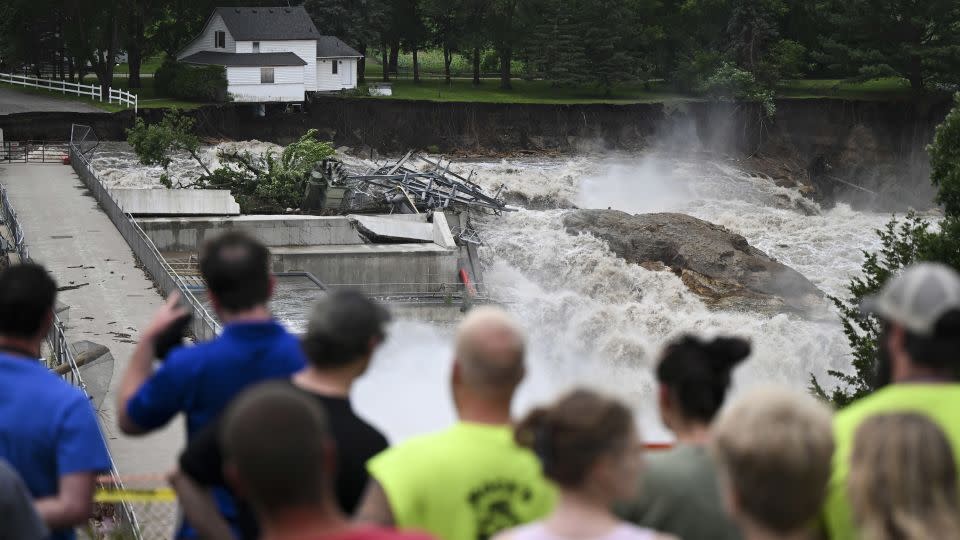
x=940, y=402
x=468, y=482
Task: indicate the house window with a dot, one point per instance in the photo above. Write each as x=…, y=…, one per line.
x=334, y=66
x=256, y=46
x=220, y=39
x=266, y=75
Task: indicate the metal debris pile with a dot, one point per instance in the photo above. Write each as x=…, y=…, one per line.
x=402, y=187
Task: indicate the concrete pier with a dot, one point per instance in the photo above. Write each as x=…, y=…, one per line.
x=110, y=299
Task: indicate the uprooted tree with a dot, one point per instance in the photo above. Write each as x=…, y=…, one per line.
x=267, y=182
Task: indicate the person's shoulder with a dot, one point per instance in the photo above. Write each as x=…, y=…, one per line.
x=421, y=449
x=55, y=388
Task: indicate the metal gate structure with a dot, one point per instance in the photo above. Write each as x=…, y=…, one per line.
x=34, y=151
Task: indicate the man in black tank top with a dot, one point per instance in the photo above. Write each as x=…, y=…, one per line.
x=344, y=330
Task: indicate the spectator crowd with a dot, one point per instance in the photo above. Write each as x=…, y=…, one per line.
x=275, y=450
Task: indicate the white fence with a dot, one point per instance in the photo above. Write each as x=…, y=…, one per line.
x=93, y=91
x=125, y=98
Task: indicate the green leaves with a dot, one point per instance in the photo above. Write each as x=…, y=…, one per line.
x=155, y=144
x=901, y=244
x=270, y=182
x=945, y=161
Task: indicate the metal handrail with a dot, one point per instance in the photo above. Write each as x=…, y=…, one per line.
x=62, y=354
x=204, y=326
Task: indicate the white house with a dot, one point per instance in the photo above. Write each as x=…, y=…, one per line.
x=272, y=54
x=336, y=64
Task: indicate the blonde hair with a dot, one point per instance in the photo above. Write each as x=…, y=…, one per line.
x=903, y=479
x=773, y=448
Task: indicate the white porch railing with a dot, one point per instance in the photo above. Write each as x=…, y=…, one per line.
x=93, y=91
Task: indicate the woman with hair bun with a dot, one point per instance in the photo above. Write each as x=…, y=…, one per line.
x=589, y=447
x=678, y=491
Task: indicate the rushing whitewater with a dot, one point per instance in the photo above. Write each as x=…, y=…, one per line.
x=592, y=318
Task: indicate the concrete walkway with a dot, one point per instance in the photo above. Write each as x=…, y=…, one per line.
x=110, y=298
x=13, y=101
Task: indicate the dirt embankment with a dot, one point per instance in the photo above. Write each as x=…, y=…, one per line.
x=827, y=143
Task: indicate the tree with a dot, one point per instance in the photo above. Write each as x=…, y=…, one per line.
x=270, y=182
x=506, y=32
x=554, y=50
x=916, y=40
x=902, y=243
x=156, y=144
x=359, y=23
x=446, y=19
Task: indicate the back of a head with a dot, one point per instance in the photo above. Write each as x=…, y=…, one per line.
x=489, y=351
x=924, y=299
x=903, y=479
x=236, y=269
x=697, y=372
x=571, y=435
x=276, y=440
x=769, y=439
x=27, y=295
x=341, y=328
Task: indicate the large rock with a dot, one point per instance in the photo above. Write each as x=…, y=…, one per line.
x=716, y=264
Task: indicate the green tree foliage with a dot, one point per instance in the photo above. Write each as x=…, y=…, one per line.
x=156, y=144
x=902, y=243
x=359, y=23
x=732, y=82
x=269, y=182
x=600, y=41
x=195, y=83
x=917, y=40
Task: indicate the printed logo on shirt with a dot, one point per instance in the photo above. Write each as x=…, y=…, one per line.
x=494, y=504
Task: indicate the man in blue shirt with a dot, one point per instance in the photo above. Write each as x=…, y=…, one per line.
x=48, y=430
x=201, y=380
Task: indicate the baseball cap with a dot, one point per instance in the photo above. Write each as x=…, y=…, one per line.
x=917, y=298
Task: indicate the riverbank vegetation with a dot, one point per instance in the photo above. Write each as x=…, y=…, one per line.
x=541, y=50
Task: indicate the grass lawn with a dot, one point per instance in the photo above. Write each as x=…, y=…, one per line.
x=489, y=91
x=147, y=67
x=879, y=89
x=434, y=89
x=109, y=107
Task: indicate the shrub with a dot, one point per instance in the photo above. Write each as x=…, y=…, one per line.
x=193, y=83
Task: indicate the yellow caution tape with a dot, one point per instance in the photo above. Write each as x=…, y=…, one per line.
x=135, y=495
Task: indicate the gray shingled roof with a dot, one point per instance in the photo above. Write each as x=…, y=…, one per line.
x=244, y=59
x=333, y=47
x=268, y=23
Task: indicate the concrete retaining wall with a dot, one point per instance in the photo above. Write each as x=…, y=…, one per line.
x=385, y=268
x=177, y=202
x=188, y=234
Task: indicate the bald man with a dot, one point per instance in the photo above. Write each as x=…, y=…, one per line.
x=471, y=480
